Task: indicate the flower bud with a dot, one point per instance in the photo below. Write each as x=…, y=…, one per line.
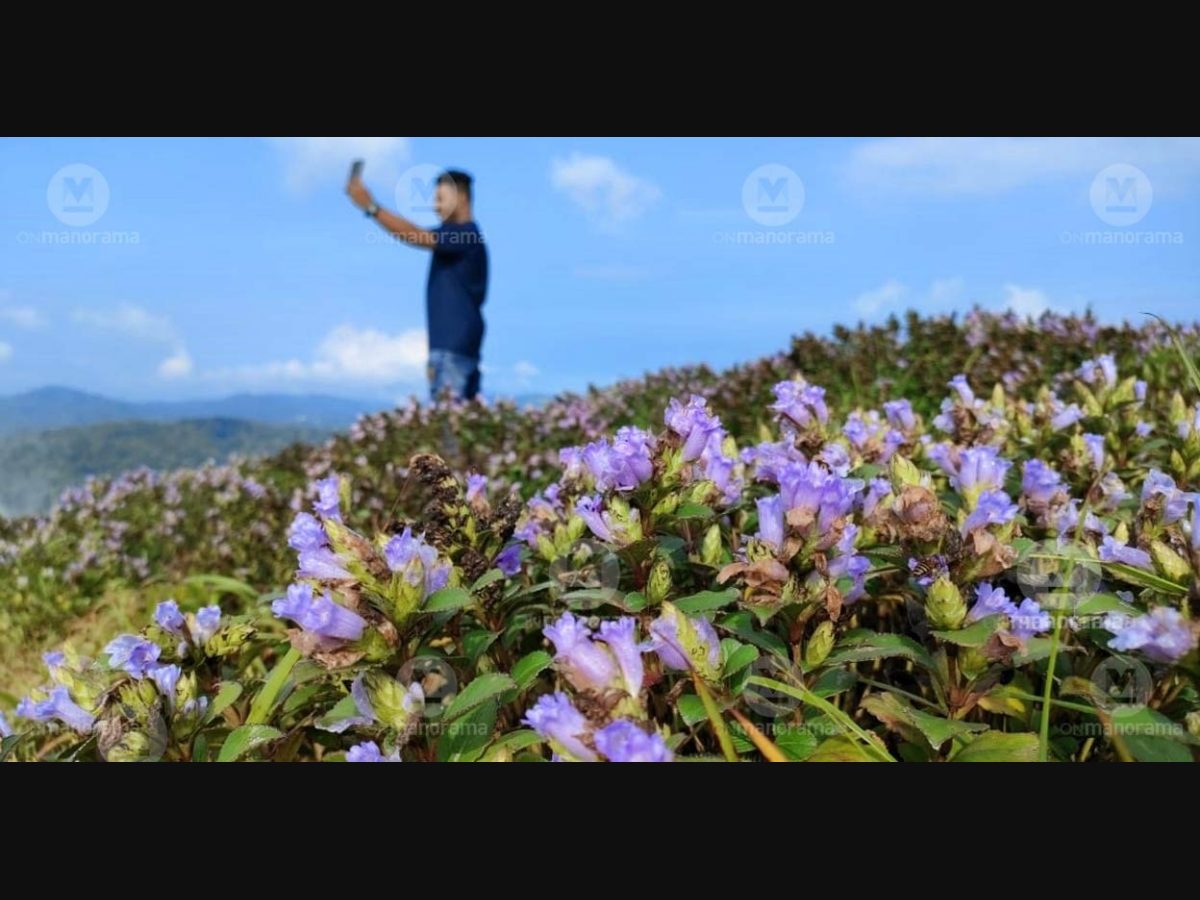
x=1169, y=563
x=819, y=645
x=711, y=550
x=658, y=585
x=666, y=505
x=903, y=472
x=944, y=606
x=392, y=703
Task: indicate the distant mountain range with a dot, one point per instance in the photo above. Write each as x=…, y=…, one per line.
x=39, y=465
x=59, y=407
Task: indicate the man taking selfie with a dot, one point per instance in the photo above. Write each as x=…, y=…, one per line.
x=457, y=285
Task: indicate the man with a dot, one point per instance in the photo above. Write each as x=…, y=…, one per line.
x=458, y=274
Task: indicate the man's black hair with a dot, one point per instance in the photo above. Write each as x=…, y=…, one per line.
x=460, y=180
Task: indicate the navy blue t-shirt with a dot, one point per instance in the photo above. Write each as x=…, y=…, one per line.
x=458, y=275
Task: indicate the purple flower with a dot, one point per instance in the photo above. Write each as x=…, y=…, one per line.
x=1066, y=416
x=133, y=654
x=205, y=624
x=476, y=487
x=369, y=751
x=1029, y=619
x=571, y=459
x=664, y=640
x=323, y=565
x=54, y=659
x=1112, y=490
x=319, y=615
x=623, y=741
x=693, y=423
x=900, y=415
x=586, y=664
x=963, y=389
x=1111, y=551
x=622, y=465
x=847, y=564
x=1163, y=635
x=877, y=489
x=619, y=636
x=508, y=560
x=1040, y=483
x=166, y=678
x=993, y=508
x=5, y=728
x=417, y=560
x=1143, y=429
x=168, y=617
x=1101, y=371
x=1196, y=522
x=1175, y=501
x=326, y=503
x=800, y=402
x=817, y=493
x=1095, y=446
x=770, y=459
x=770, y=521
x=57, y=705
x=556, y=719
x=306, y=533
x=980, y=469
x=990, y=601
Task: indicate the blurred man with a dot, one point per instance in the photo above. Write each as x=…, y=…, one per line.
x=458, y=274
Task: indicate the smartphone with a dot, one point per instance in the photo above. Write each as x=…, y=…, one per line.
x=356, y=169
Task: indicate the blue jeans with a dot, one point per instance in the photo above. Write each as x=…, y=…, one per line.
x=458, y=373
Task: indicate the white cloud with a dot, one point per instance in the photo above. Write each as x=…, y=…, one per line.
x=129, y=320
x=22, y=316
x=177, y=365
x=870, y=302
x=312, y=161
x=604, y=190
x=346, y=354
x=6, y=351
x=975, y=166
x=1023, y=301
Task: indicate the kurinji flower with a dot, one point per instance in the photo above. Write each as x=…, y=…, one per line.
x=5, y=728
x=133, y=654
x=166, y=678
x=1163, y=635
x=604, y=525
x=1095, y=446
x=54, y=659
x=800, y=402
x=876, y=491
x=1196, y=522
x=622, y=465
x=1066, y=416
x=556, y=719
x=770, y=521
x=1100, y=371
x=672, y=632
x=205, y=624
x=327, y=500
x=693, y=423
x=168, y=617
x=508, y=560
x=1111, y=551
x=369, y=751
x=963, y=389
x=770, y=459
x=417, y=560
x=319, y=615
x=990, y=601
x=900, y=415
x=619, y=636
x=1029, y=619
x=476, y=487
x=623, y=741
x=57, y=705
x=587, y=664
x=571, y=459
x=323, y=565
x=379, y=697
x=1175, y=501
x=1143, y=429
x=306, y=533
x=993, y=508
x=1065, y=518
x=847, y=564
x=1040, y=484
x=979, y=469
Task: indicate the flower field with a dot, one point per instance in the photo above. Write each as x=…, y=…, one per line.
x=930, y=540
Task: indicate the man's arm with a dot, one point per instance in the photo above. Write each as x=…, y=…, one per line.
x=393, y=223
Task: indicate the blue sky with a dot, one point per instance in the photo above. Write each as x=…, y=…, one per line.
x=215, y=266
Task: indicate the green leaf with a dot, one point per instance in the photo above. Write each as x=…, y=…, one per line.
x=514, y=741
x=693, y=511
x=834, y=681
x=840, y=749
x=466, y=738
x=8, y=745
x=706, y=601
x=741, y=623
x=691, y=709
x=344, y=709
x=860, y=645
x=491, y=576
x=245, y=739
x=226, y=697
x=448, y=598
x=260, y=708
x=893, y=710
x=1145, y=579
x=974, y=635
x=737, y=656
x=528, y=667
x=1150, y=736
x=1036, y=648
x=996, y=746
x=222, y=584
x=634, y=601
x=482, y=689
x=477, y=641
x=1103, y=603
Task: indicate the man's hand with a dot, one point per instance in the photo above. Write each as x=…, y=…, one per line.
x=359, y=195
